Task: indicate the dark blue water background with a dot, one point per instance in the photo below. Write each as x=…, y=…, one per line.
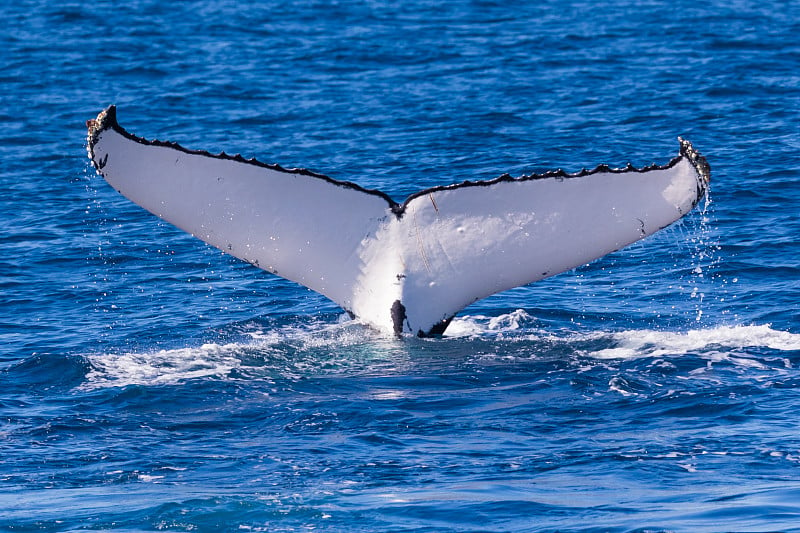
x=148, y=382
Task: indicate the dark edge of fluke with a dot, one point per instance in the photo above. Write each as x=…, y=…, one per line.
x=107, y=119
x=701, y=166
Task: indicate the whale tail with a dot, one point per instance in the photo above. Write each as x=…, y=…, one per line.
x=401, y=267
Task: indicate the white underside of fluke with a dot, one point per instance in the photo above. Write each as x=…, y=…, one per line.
x=398, y=267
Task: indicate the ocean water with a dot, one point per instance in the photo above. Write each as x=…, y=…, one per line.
x=150, y=383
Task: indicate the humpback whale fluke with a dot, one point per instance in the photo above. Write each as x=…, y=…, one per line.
x=400, y=267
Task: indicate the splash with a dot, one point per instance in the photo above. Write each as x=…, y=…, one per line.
x=706, y=258
x=163, y=367
x=520, y=327
x=724, y=339
x=289, y=352
x=295, y=352
x=516, y=322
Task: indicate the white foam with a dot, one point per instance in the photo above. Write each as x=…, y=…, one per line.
x=162, y=367
x=651, y=343
x=520, y=326
x=479, y=325
x=265, y=349
x=347, y=346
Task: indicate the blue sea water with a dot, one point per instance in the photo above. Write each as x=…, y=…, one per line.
x=149, y=382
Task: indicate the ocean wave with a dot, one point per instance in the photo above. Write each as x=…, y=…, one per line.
x=650, y=343
x=290, y=351
x=295, y=351
x=521, y=326
x=162, y=367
